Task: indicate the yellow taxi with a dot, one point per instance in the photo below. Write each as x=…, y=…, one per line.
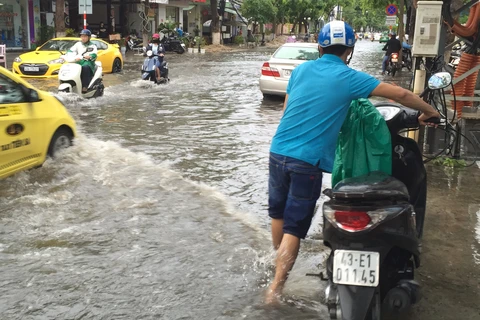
x=33, y=124
x=45, y=61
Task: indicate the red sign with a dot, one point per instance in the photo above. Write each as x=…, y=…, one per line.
x=391, y=10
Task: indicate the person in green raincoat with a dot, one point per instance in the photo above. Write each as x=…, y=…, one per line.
x=86, y=54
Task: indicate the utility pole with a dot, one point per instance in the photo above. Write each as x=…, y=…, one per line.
x=60, y=18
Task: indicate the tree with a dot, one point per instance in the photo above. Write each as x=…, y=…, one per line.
x=258, y=11
x=215, y=23
x=60, y=18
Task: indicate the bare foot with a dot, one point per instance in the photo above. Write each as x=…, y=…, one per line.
x=272, y=296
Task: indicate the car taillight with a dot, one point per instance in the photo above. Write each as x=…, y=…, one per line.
x=353, y=219
x=269, y=72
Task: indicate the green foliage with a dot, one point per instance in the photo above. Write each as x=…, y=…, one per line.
x=260, y=11
x=45, y=33
x=239, y=40
x=450, y=162
x=69, y=32
x=201, y=41
x=167, y=27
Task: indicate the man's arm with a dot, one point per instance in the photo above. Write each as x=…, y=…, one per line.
x=406, y=98
x=285, y=103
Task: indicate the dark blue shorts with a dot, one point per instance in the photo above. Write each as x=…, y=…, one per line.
x=293, y=190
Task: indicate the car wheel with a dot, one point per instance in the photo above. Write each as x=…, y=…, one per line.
x=62, y=139
x=117, y=65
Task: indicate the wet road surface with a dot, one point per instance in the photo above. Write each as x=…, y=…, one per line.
x=159, y=209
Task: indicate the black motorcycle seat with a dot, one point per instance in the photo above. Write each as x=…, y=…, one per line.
x=375, y=185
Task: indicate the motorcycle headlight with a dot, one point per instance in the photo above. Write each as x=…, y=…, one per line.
x=56, y=61
x=17, y=59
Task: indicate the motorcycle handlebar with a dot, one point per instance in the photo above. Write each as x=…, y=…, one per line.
x=434, y=120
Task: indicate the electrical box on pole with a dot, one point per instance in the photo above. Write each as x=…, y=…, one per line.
x=427, y=28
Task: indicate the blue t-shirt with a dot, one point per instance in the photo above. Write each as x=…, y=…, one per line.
x=319, y=95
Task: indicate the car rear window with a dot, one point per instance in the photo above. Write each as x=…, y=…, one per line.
x=296, y=53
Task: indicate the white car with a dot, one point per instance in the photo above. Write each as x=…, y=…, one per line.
x=276, y=71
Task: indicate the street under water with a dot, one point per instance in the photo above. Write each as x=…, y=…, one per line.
x=159, y=210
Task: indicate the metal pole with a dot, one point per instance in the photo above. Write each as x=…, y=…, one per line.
x=84, y=14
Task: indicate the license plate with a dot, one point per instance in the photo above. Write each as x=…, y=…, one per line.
x=394, y=60
x=287, y=73
x=356, y=268
x=31, y=68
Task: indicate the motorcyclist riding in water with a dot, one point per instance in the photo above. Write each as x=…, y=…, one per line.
x=86, y=54
x=158, y=50
x=392, y=46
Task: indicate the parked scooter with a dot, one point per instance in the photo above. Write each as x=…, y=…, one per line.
x=373, y=225
x=455, y=54
x=134, y=43
x=149, y=69
x=70, y=81
x=171, y=43
x=407, y=58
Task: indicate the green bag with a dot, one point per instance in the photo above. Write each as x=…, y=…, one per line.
x=364, y=143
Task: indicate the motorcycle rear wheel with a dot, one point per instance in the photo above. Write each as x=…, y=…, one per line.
x=394, y=70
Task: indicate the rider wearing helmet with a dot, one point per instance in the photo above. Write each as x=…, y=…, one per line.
x=86, y=54
x=159, y=51
x=392, y=45
x=318, y=96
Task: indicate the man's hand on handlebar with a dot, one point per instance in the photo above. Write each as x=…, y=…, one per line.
x=431, y=119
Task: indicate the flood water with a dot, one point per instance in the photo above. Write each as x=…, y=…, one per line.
x=159, y=210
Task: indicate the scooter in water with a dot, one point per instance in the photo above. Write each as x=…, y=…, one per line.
x=70, y=80
x=149, y=69
x=392, y=64
x=373, y=225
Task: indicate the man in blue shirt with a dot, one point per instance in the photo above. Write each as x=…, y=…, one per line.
x=319, y=94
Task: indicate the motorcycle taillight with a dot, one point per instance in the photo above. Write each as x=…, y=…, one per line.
x=352, y=220
x=394, y=56
x=356, y=219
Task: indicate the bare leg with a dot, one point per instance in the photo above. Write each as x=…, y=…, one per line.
x=277, y=232
x=286, y=256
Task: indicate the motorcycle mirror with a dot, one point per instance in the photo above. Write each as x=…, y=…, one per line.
x=439, y=80
x=149, y=53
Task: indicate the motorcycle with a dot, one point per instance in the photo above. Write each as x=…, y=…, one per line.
x=455, y=55
x=70, y=81
x=373, y=225
x=149, y=66
x=171, y=43
x=392, y=64
x=134, y=43
x=407, y=58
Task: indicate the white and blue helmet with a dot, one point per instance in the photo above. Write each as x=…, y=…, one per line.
x=336, y=33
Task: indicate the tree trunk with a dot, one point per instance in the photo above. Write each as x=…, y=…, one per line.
x=215, y=25
x=450, y=37
x=60, y=18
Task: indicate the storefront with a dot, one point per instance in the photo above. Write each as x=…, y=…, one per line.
x=14, y=23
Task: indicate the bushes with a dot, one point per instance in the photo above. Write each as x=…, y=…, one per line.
x=45, y=33
x=70, y=33
x=239, y=40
